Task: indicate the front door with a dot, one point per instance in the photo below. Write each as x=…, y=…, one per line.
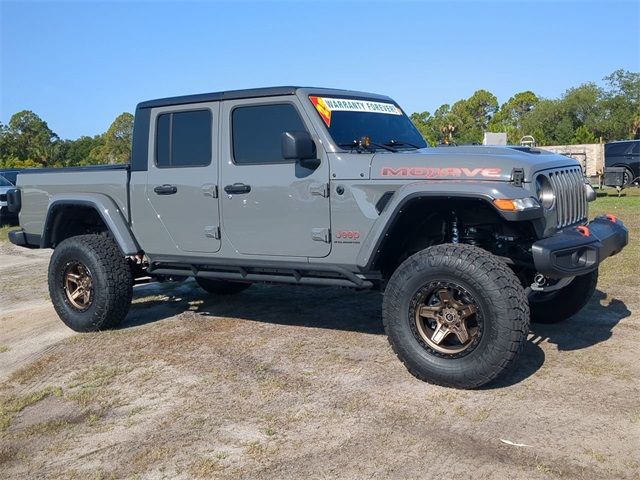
x=182, y=180
x=271, y=206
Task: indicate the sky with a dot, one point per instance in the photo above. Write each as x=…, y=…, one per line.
x=80, y=64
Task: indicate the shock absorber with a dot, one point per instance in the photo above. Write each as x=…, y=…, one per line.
x=455, y=238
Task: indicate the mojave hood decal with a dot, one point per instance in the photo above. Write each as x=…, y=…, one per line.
x=462, y=163
x=441, y=172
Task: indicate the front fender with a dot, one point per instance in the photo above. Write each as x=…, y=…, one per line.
x=106, y=208
x=440, y=189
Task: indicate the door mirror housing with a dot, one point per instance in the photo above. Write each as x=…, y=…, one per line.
x=301, y=147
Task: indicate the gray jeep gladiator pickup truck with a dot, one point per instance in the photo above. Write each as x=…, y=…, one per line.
x=312, y=186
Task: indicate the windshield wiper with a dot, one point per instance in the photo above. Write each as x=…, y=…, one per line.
x=394, y=143
x=361, y=145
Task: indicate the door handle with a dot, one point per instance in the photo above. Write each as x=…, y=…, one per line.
x=237, y=188
x=166, y=189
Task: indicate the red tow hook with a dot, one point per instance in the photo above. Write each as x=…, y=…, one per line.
x=583, y=230
x=612, y=218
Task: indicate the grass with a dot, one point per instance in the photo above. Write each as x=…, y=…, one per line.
x=204, y=468
x=11, y=406
x=621, y=269
x=30, y=371
x=90, y=386
x=4, y=233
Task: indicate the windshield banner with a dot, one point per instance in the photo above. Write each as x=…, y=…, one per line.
x=325, y=106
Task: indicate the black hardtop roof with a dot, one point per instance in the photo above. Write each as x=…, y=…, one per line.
x=247, y=93
x=613, y=142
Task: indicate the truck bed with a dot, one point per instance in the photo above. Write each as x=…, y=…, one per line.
x=41, y=187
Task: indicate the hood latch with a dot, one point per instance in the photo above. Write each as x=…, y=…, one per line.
x=517, y=176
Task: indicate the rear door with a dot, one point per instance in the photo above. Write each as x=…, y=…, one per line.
x=182, y=178
x=271, y=206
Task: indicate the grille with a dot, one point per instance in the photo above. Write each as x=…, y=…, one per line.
x=3, y=197
x=571, y=197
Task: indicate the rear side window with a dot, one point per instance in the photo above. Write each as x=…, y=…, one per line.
x=183, y=139
x=257, y=132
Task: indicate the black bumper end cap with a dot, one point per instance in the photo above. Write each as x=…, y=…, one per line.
x=574, y=251
x=23, y=239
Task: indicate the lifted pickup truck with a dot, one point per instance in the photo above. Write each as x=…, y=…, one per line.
x=312, y=186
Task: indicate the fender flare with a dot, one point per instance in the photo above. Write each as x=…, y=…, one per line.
x=484, y=191
x=110, y=213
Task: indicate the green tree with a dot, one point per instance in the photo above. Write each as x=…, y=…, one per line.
x=79, y=152
x=28, y=141
x=473, y=116
x=509, y=118
x=584, y=135
x=621, y=106
x=439, y=127
x=117, y=140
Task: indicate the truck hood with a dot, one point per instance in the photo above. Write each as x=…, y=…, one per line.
x=465, y=163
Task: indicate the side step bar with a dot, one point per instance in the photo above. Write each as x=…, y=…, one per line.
x=296, y=274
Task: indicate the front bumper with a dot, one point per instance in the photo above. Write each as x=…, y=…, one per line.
x=579, y=250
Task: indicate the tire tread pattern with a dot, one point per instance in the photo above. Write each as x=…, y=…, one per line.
x=114, y=295
x=502, y=290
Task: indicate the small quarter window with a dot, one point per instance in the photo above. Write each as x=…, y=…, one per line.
x=257, y=132
x=183, y=139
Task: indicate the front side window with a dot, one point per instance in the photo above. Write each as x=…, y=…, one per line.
x=257, y=132
x=183, y=139
x=349, y=120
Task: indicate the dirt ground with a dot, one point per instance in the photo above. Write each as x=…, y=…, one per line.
x=285, y=382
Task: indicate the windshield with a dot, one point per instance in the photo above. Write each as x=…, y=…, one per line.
x=349, y=120
x=4, y=182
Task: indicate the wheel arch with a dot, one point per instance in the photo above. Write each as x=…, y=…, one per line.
x=68, y=215
x=437, y=199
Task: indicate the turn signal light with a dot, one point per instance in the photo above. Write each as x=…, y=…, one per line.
x=516, y=204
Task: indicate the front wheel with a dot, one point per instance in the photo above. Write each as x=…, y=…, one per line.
x=455, y=315
x=90, y=283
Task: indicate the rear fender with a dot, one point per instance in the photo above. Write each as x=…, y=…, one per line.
x=104, y=206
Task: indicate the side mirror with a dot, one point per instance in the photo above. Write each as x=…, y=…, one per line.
x=300, y=146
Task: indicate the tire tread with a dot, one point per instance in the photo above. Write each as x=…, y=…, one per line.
x=508, y=298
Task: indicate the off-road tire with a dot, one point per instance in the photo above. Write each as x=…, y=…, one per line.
x=221, y=287
x=558, y=306
x=499, y=295
x=111, y=277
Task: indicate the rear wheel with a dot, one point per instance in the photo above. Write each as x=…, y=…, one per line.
x=628, y=177
x=555, y=307
x=455, y=315
x=90, y=283
x=221, y=287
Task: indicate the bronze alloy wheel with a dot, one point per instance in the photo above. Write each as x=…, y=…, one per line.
x=78, y=285
x=447, y=319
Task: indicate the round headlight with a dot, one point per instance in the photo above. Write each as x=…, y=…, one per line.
x=545, y=192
